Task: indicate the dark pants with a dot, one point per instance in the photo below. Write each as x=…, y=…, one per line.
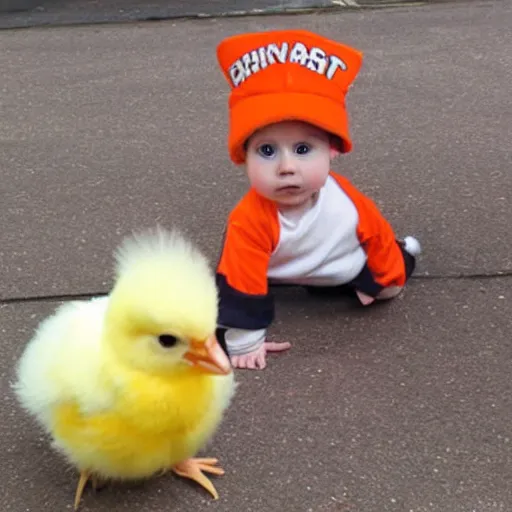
x=349, y=289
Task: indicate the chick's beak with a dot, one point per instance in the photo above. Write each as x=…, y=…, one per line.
x=208, y=356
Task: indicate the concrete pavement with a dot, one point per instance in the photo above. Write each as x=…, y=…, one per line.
x=29, y=13
x=56, y=12
x=401, y=407
x=33, y=13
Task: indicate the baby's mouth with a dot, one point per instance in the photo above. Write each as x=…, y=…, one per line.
x=289, y=188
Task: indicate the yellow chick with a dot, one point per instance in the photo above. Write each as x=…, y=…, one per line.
x=134, y=383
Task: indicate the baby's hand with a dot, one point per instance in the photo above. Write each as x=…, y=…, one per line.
x=257, y=359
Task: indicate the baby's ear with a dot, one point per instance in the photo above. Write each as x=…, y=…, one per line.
x=336, y=146
x=334, y=152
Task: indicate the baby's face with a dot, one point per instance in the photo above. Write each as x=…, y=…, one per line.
x=288, y=162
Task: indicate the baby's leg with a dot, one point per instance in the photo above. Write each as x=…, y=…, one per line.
x=409, y=260
x=331, y=291
x=410, y=264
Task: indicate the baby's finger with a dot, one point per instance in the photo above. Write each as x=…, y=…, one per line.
x=252, y=362
x=272, y=346
x=261, y=360
x=242, y=362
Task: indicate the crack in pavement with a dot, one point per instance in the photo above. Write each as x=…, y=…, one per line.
x=89, y=295
x=48, y=13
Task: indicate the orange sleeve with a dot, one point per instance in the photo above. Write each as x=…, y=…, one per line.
x=251, y=235
x=384, y=256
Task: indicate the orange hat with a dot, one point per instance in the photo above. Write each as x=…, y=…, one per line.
x=286, y=75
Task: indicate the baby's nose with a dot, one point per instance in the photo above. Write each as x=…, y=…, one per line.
x=286, y=171
x=287, y=165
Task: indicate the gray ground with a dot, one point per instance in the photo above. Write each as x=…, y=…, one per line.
x=28, y=13
x=403, y=407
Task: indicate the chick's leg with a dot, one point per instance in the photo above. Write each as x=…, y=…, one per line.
x=85, y=476
x=193, y=469
x=97, y=483
x=82, y=482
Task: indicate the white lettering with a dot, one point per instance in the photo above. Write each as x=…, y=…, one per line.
x=317, y=60
x=255, y=61
x=273, y=51
x=335, y=64
x=263, y=57
x=299, y=54
x=246, y=62
x=314, y=59
x=236, y=72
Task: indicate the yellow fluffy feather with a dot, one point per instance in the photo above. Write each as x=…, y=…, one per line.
x=134, y=383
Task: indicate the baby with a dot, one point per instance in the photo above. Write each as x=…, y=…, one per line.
x=299, y=223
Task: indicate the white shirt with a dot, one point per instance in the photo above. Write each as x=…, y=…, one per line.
x=319, y=247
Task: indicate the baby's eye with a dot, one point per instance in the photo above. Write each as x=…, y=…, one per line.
x=302, y=149
x=266, y=150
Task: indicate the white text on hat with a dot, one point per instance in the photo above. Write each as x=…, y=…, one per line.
x=314, y=59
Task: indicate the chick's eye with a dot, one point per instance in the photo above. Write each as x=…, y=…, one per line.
x=167, y=340
x=266, y=150
x=302, y=149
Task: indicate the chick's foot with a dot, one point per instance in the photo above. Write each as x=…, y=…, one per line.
x=193, y=469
